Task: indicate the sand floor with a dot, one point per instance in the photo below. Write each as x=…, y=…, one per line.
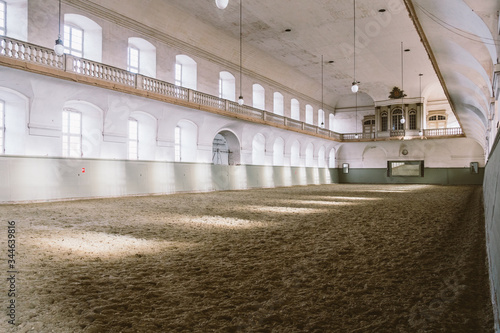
x=329, y=258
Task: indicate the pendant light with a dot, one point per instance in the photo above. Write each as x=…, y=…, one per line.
x=322, y=94
x=240, y=99
x=354, y=87
x=403, y=120
x=221, y=4
x=59, y=47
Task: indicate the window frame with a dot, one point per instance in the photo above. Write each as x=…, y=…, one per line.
x=133, y=68
x=68, y=151
x=412, y=116
x=4, y=18
x=396, y=120
x=393, y=164
x=68, y=43
x=384, y=121
x=133, y=155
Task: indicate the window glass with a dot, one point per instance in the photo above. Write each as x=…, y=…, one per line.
x=71, y=133
x=133, y=60
x=73, y=40
x=177, y=140
x=133, y=139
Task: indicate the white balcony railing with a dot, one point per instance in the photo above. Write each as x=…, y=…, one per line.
x=26, y=52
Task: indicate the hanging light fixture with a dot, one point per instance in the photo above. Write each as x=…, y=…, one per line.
x=403, y=120
x=322, y=89
x=421, y=133
x=354, y=87
x=240, y=99
x=59, y=47
x=221, y=4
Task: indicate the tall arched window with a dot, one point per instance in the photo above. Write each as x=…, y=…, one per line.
x=383, y=118
x=82, y=37
x=13, y=119
x=278, y=104
x=141, y=57
x=186, y=141
x=310, y=155
x=413, y=119
x=295, y=154
x=295, y=109
x=259, y=97
x=185, y=72
x=321, y=118
x=321, y=157
x=278, y=151
x=330, y=121
x=133, y=139
x=397, y=114
x=309, y=114
x=259, y=149
x=227, y=86
x=71, y=133
x=14, y=19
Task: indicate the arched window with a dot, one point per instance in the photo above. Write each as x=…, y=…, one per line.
x=330, y=121
x=14, y=19
x=397, y=114
x=2, y=127
x=141, y=57
x=321, y=157
x=82, y=37
x=227, y=86
x=295, y=109
x=259, y=149
x=413, y=119
x=383, y=119
x=278, y=105
x=13, y=119
x=331, y=158
x=310, y=155
x=259, y=97
x=177, y=143
x=321, y=118
x=71, y=133
x=226, y=148
x=309, y=114
x=82, y=125
x=133, y=139
x=436, y=119
x=295, y=154
x=278, y=151
x=186, y=141
x=185, y=72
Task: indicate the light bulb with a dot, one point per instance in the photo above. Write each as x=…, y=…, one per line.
x=221, y=4
x=240, y=100
x=354, y=87
x=403, y=120
x=59, y=47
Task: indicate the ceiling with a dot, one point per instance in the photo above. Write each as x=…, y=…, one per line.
x=457, y=56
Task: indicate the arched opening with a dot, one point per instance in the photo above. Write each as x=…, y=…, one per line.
x=310, y=155
x=142, y=136
x=226, y=148
x=259, y=97
x=278, y=104
x=309, y=114
x=82, y=37
x=321, y=118
x=279, y=152
x=13, y=120
x=227, y=86
x=141, y=57
x=295, y=154
x=185, y=72
x=295, y=109
x=259, y=149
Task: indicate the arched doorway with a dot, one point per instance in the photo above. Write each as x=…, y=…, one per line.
x=226, y=148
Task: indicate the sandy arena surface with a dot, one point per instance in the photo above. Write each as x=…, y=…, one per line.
x=330, y=258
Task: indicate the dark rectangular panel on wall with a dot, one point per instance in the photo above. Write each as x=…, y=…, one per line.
x=444, y=176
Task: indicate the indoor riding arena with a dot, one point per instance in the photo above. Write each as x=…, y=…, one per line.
x=249, y=166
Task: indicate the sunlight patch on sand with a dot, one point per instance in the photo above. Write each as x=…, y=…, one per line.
x=319, y=202
x=333, y=198
x=100, y=244
x=222, y=222
x=283, y=209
